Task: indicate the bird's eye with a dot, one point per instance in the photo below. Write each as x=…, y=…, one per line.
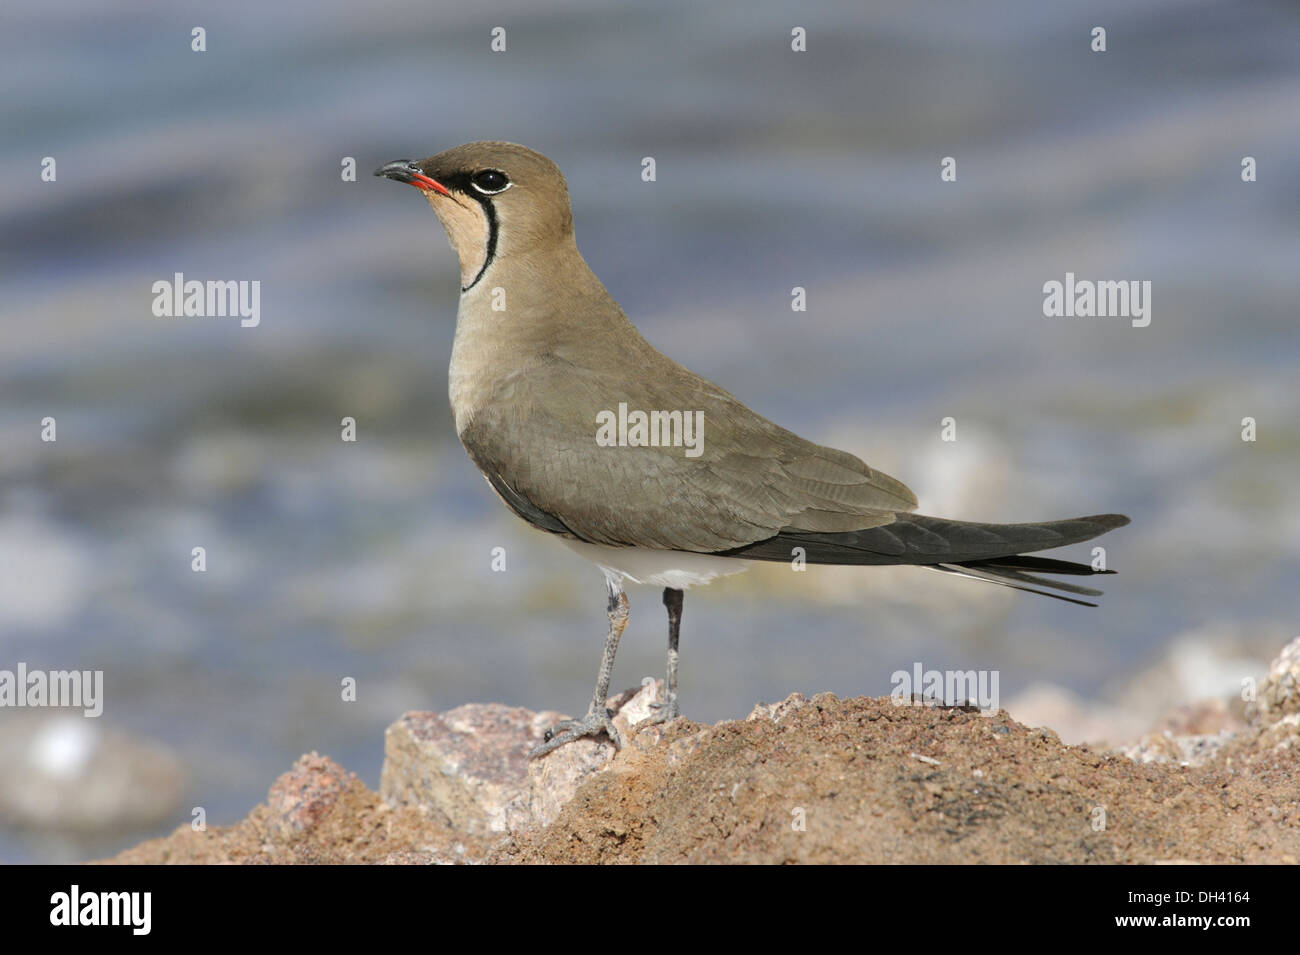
x=489, y=181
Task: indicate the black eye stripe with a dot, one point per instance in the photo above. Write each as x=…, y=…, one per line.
x=477, y=185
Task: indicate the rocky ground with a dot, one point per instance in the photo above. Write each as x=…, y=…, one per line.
x=805, y=780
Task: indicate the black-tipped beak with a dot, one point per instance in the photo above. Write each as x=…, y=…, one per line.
x=408, y=171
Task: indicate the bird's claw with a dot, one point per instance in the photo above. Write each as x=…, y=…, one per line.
x=566, y=731
x=664, y=712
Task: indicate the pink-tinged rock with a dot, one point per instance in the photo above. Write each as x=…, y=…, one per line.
x=470, y=765
x=300, y=798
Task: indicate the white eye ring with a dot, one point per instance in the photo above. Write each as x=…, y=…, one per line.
x=490, y=192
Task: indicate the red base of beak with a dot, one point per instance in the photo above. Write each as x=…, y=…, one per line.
x=422, y=182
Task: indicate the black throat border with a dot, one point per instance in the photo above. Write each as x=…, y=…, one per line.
x=460, y=183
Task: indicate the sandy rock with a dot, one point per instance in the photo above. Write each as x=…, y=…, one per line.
x=778, y=711
x=1279, y=692
x=1282, y=735
x=1194, y=750
x=1195, y=734
x=864, y=781
x=1274, y=714
x=470, y=767
x=300, y=798
x=843, y=781
x=819, y=780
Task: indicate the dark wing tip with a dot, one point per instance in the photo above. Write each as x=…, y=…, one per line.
x=1109, y=521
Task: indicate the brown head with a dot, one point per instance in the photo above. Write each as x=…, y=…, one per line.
x=494, y=199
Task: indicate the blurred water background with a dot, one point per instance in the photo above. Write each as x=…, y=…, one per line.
x=371, y=560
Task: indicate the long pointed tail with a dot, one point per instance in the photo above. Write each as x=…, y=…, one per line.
x=995, y=553
x=1010, y=572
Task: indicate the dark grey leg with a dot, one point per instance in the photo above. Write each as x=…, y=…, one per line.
x=597, y=720
x=667, y=710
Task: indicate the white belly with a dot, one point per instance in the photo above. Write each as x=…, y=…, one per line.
x=659, y=568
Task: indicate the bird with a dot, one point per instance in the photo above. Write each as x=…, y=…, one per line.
x=657, y=475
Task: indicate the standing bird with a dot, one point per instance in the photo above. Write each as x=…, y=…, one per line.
x=691, y=484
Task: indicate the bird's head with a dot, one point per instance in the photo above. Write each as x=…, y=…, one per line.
x=494, y=200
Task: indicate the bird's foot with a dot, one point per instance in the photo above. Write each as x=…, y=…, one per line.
x=664, y=712
x=596, y=721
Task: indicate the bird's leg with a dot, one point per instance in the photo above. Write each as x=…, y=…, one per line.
x=667, y=710
x=597, y=719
